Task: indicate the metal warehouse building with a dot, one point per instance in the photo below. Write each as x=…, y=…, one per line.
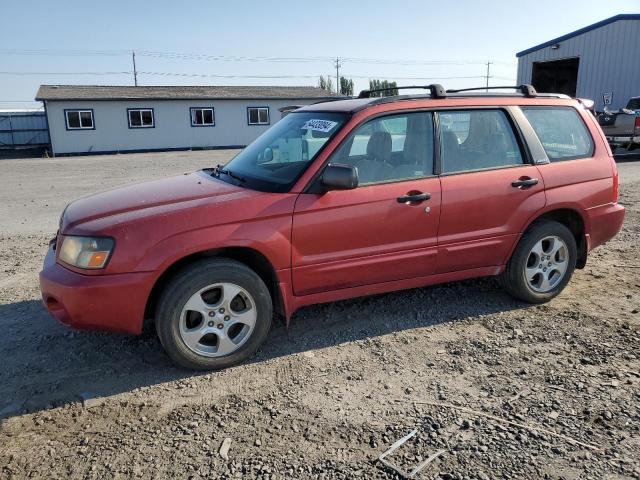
x=23, y=129
x=109, y=119
x=601, y=62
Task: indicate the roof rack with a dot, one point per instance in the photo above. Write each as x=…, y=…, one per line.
x=525, y=89
x=436, y=90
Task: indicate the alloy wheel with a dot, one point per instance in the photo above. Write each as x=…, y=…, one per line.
x=547, y=264
x=218, y=319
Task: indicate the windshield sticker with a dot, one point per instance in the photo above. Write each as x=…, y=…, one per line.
x=319, y=125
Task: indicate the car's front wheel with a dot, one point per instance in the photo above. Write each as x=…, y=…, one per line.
x=542, y=263
x=215, y=313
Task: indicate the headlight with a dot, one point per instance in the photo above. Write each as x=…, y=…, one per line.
x=86, y=252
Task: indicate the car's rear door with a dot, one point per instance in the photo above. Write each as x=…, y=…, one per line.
x=384, y=230
x=489, y=190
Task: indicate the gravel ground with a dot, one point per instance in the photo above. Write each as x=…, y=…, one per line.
x=325, y=398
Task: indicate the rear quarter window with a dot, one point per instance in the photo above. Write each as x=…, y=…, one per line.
x=562, y=132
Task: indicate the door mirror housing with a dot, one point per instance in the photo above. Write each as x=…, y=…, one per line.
x=339, y=177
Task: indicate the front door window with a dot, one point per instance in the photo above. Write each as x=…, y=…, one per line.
x=390, y=149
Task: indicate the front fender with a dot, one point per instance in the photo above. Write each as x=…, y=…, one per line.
x=270, y=237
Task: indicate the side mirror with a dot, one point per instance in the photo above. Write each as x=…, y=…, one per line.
x=339, y=177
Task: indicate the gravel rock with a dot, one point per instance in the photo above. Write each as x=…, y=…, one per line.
x=325, y=397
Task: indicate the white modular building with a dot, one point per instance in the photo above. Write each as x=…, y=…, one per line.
x=85, y=119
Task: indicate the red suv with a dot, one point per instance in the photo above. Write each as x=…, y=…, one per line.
x=337, y=200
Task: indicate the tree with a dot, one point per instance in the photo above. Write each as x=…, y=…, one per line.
x=375, y=84
x=325, y=83
x=346, y=86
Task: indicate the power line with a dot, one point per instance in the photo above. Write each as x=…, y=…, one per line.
x=387, y=77
x=232, y=58
x=62, y=52
x=378, y=61
x=197, y=56
x=216, y=75
x=212, y=75
x=202, y=56
x=172, y=74
x=66, y=73
x=413, y=62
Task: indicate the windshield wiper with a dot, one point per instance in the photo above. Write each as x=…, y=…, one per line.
x=225, y=171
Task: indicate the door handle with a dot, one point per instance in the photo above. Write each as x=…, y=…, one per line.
x=524, y=182
x=414, y=198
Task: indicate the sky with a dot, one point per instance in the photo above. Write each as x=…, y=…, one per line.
x=276, y=42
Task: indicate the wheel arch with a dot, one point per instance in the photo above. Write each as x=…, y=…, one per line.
x=574, y=221
x=248, y=256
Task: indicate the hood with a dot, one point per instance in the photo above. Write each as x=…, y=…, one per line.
x=148, y=195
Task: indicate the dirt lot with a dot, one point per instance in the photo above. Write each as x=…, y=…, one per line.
x=324, y=399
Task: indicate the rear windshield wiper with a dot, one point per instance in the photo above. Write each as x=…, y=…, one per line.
x=220, y=170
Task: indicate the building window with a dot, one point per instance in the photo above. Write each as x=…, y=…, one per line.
x=202, y=117
x=79, y=119
x=258, y=115
x=140, y=117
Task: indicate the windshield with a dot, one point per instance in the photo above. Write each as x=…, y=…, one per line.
x=277, y=158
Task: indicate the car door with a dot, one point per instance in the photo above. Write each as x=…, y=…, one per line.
x=385, y=229
x=489, y=191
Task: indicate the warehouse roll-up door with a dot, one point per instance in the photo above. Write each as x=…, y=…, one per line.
x=556, y=76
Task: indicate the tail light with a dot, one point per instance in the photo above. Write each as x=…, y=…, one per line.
x=616, y=185
x=637, y=124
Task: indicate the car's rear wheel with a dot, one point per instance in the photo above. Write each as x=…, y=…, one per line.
x=213, y=314
x=542, y=264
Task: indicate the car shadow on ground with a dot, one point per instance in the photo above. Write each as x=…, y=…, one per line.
x=45, y=364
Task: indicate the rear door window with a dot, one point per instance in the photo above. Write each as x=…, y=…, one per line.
x=477, y=140
x=561, y=131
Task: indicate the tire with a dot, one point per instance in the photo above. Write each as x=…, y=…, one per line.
x=518, y=279
x=195, y=305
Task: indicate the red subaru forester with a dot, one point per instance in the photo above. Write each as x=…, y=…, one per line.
x=337, y=200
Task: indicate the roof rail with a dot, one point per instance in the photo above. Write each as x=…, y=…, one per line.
x=525, y=89
x=436, y=90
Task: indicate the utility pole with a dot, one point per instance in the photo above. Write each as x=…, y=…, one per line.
x=337, y=63
x=135, y=72
x=488, y=75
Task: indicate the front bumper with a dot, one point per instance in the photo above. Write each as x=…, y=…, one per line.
x=114, y=303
